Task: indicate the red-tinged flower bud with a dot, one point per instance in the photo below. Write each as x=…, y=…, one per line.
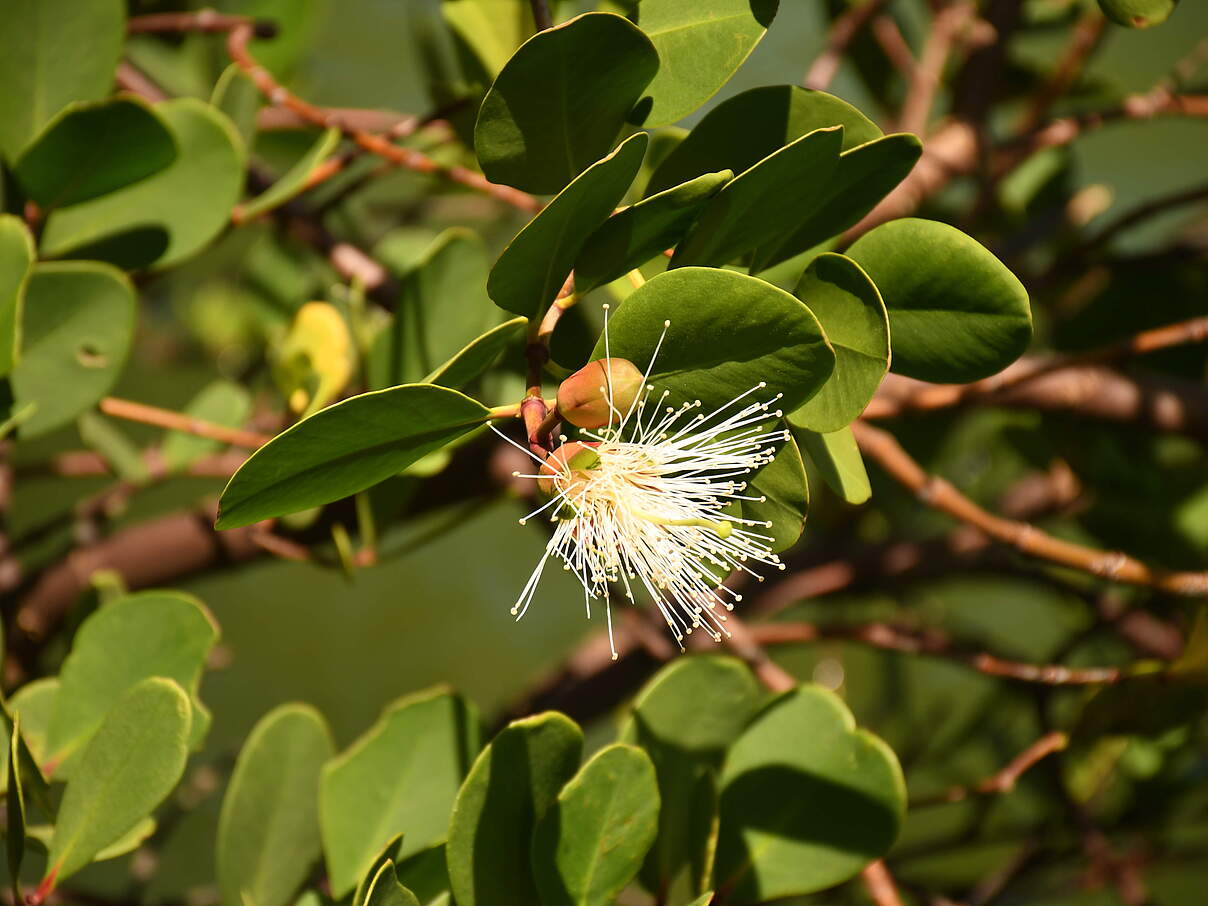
x=583, y=397
x=570, y=461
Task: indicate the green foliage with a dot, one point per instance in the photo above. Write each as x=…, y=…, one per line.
x=385, y=889
x=1138, y=13
x=16, y=257
x=476, y=357
x=293, y=181
x=837, y=459
x=219, y=403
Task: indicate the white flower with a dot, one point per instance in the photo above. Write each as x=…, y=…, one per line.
x=649, y=512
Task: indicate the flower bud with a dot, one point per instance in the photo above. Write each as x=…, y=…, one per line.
x=583, y=397
x=570, y=461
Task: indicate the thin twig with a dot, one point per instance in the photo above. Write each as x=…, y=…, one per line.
x=1087, y=35
x=1003, y=781
x=204, y=20
x=842, y=31
x=541, y=15
x=946, y=28
x=880, y=884
x=177, y=421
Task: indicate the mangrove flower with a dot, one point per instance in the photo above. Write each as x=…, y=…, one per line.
x=641, y=504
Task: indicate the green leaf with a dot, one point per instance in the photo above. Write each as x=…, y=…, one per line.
x=268, y=834
x=680, y=861
x=509, y=788
x=956, y=313
x=85, y=152
x=190, y=200
x=478, y=355
x=728, y=333
x=125, y=844
x=837, y=458
x=14, y=807
x=699, y=703
x=77, y=325
x=783, y=485
x=590, y=843
x=221, y=403
x=865, y=175
x=851, y=312
x=532, y=269
x=114, y=446
x=492, y=29
x=561, y=100
x=130, y=765
x=442, y=307
x=385, y=889
x=635, y=234
x=16, y=259
x=346, y=448
x=294, y=181
x=765, y=202
x=741, y=131
x=239, y=99
x=703, y=900
x=401, y=776
x=151, y=633
x=53, y=52
x=387, y=855
x=35, y=703
x=807, y=799
x=700, y=44
x=1138, y=13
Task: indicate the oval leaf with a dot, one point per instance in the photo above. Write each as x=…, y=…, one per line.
x=836, y=456
x=851, y=312
x=16, y=259
x=559, y=103
x=508, y=790
x=385, y=889
x=784, y=497
x=346, y=448
x=535, y=265
x=807, y=799
x=128, y=768
x=591, y=842
x=268, y=835
x=477, y=356
x=401, y=776
x=956, y=313
x=294, y=181
x=699, y=703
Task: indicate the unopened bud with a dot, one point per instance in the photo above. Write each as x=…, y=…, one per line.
x=569, y=461
x=584, y=396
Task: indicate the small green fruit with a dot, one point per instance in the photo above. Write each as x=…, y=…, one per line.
x=583, y=397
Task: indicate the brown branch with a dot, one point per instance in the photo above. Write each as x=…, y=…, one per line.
x=746, y=645
x=880, y=885
x=842, y=32
x=177, y=421
x=935, y=492
x=1003, y=781
x=893, y=44
x=946, y=29
x=541, y=14
x=205, y=20
x=1087, y=35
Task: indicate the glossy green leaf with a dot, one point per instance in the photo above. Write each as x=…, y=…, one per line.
x=679, y=863
x=534, y=266
x=346, y=448
x=786, y=498
x=956, y=313
x=492, y=29
x=76, y=326
x=387, y=856
x=700, y=44
x=190, y=201
x=385, y=889
x=639, y=232
x=268, y=833
x=124, y=845
x=765, y=202
x=130, y=765
x=590, y=843
x=478, y=355
x=294, y=181
x=426, y=874
x=864, y=176
x=221, y=403
x=16, y=259
x=741, y=131
x=85, y=152
x=1138, y=13
x=35, y=703
x=728, y=333
x=401, y=776
x=53, y=52
x=442, y=307
x=561, y=100
x=851, y=312
x=511, y=785
x=699, y=703
x=807, y=799
x=151, y=633
x=836, y=456
x=14, y=808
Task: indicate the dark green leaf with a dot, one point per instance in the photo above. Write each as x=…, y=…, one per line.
x=635, y=234
x=783, y=485
x=590, y=843
x=14, y=807
x=561, y=100
x=16, y=258
x=741, y=131
x=837, y=458
x=53, y=52
x=765, y=202
x=401, y=776
x=388, y=854
x=478, y=355
x=699, y=703
x=346, y=448
x=532, y=269
x=509, y=788
x=76, y=331
x=385, y=889
x=294, y=181
x=130, y=765
x=728, y=333
x=700, y=44
x=956, y=313
x=680, y=861
x=86, y=152
x=851, y=312
x=492, y=29
x=807, y=799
